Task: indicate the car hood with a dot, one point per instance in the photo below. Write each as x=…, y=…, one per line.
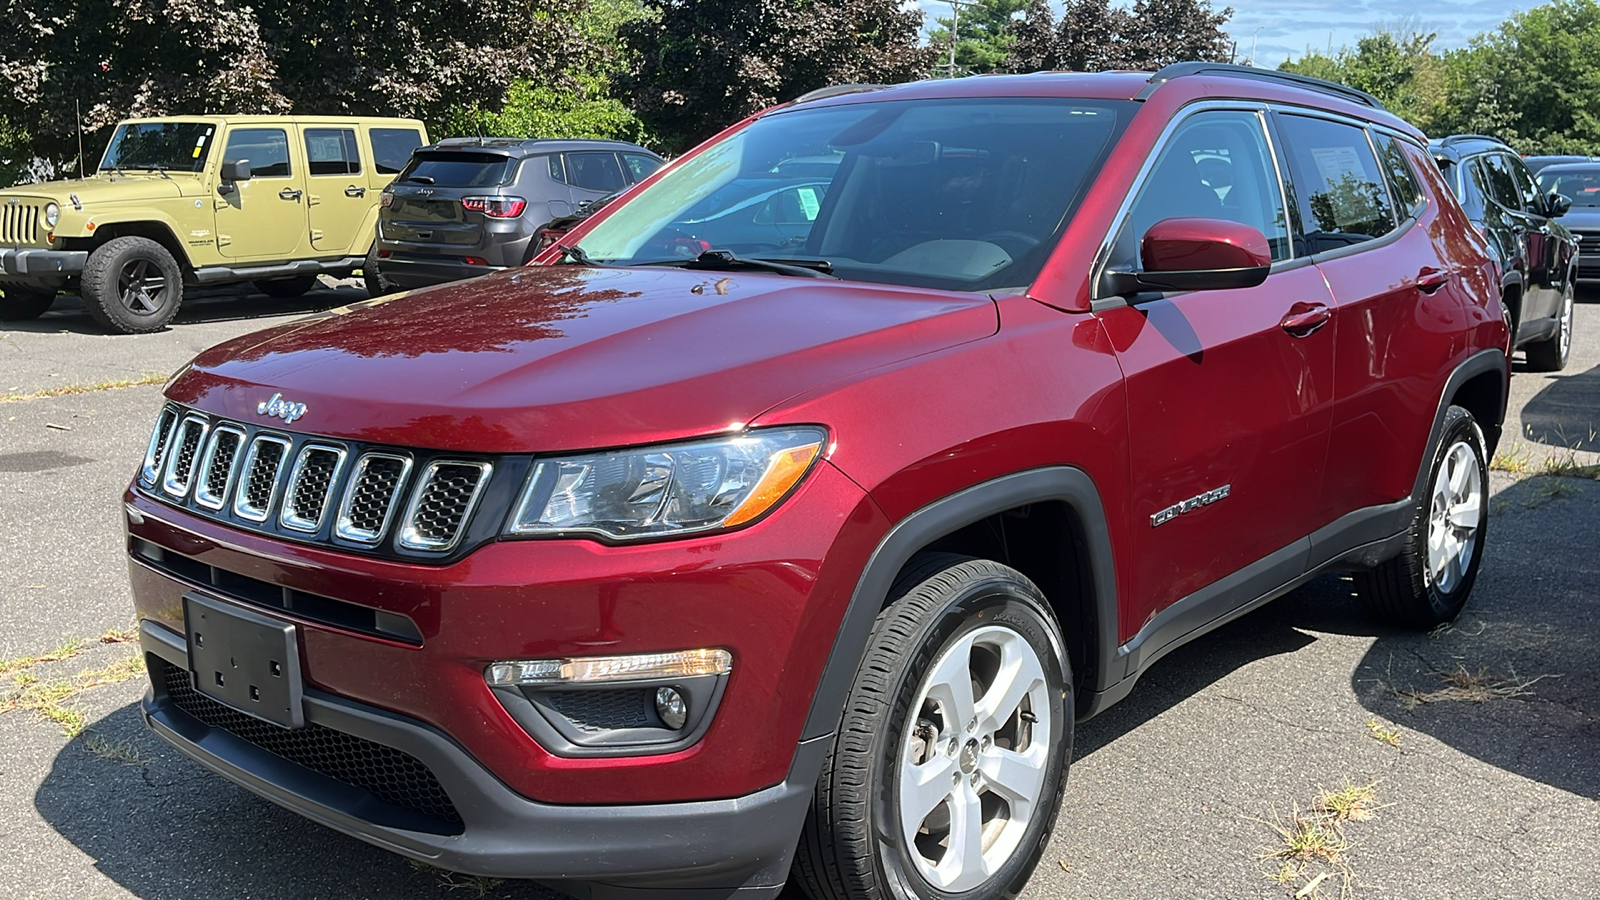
x=108, y=189
x=569, y=357
x=1585, y=218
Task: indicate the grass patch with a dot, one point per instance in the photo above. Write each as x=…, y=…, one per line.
x=49, y=698
x=1309, y=852
x=1381, y=732
x=1464, y=685
x=476, y=885
x=1522, y=461
x=1351, y=803
x=108, y=384
x=1548, y=489
x=22, y=663
x=123, y=752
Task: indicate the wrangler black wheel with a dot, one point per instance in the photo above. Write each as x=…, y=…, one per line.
x=132, y=285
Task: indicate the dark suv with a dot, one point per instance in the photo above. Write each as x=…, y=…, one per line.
x=701, y=552
x=1538, y=257
x=469, y=206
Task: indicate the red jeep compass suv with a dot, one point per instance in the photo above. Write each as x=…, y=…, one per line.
x=786, y=515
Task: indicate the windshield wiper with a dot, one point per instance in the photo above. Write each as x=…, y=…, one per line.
x=113, y=169
x=575, y=254
x=727, y=259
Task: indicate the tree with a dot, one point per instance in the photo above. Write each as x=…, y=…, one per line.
x=1033, y=44
x=1395, y=63
x=708, y=63
x=982, y=32
x=1093, y=36
x=1168, y=31
x=122, y=58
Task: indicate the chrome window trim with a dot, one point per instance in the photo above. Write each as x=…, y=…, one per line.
x=203, y=497
x=241, y=507
x=287, y=517
x=408, y=539
x=150, y=470
x=342, y=527
x=169, y=482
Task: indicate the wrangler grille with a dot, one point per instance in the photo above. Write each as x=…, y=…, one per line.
x=391, y=775
x=312, y=489
x=19, y=223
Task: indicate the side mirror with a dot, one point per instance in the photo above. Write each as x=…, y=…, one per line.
x=236, y=170
x=1194, y=254
x=1556, y=205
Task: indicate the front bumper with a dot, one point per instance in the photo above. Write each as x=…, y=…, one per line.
x=44, y=266
x=740, y=844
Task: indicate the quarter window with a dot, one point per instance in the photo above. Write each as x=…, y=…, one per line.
x=1339, y=187
x=266, y=148
x=595, y=172
x=391, y=148
x=332, y=151
x=1402, y=180
x=641, y=167
x=1216, y=165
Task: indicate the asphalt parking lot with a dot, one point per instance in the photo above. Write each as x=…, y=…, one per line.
x=1472, y=754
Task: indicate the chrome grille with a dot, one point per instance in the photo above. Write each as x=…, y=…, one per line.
x=180, y=465
x=369, y=501
x=158, y=446
x=262, y=467
x=218, y=466
x=309, y=484
x=441, y=504
x=19, y=223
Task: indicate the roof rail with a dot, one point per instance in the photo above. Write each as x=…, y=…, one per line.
x=1461, y=138
x=1183, y=69
x=835, y=90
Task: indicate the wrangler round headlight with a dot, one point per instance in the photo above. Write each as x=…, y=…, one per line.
x=666, y=489
x=52, y=215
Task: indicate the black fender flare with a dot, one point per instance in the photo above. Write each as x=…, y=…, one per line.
x=942, y=517
x=1491, y=360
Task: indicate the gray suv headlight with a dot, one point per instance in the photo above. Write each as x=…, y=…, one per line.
x=667, y=489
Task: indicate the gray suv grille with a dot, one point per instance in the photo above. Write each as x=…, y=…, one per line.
x=311, y=489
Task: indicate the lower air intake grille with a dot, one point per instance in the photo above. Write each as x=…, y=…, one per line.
x=596, y=711
x=390, y=775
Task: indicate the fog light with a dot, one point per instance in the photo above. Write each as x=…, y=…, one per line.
x=672, y=708
x=590, y=669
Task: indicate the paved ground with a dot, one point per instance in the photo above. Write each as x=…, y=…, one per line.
x=1172, y=794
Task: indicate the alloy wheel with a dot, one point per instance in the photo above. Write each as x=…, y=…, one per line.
x=141, y=286
x=1454, y=516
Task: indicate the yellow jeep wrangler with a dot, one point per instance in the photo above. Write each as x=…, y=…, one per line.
x=201, y=200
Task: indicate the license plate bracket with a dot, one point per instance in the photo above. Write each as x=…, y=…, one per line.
x=244, y=660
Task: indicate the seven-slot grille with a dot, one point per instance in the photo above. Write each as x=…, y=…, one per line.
x=310, y=488
x=19, y=223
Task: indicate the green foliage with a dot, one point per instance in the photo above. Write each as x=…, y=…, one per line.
x=1395, y=64
x=983, y=36
x=1093, y=36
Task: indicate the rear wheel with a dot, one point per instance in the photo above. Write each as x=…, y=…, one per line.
x=286, y=288
x=132, y=285
x=1428, y=583
x=946, y=773
x=19, y=304
x=1551, y=355
x=376, y=284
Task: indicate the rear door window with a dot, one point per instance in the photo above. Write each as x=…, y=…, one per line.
x=332, y=151
x=455, y=169
x=267, y=149
x=1339, y=186
x=391, y=148
x=595, y=171
x=1402, y=180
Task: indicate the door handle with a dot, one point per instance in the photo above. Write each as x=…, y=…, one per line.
x=353, y=191
x=1430, y=279
x=1304, y=319
x=289, y=194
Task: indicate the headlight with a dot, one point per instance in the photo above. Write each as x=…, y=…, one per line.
x=667, y=489
x=52, y=215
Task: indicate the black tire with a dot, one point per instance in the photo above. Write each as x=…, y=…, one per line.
x=372, y=276
x=1551, y=354
x=20, y=304
x=132, y=285
x=1407, y=590
x=286, y=288
x=854, y=845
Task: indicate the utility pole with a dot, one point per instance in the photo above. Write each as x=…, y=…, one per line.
x=955, y=26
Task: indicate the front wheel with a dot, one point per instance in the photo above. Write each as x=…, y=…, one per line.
x=19, y=304
x=947, y=770
x=1428, y=583
x=1551, y=354
x=132, y=285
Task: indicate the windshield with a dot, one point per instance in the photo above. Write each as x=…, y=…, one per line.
x=1582, y=186
x=958, y=194
x=457, y=169
x=169, y=146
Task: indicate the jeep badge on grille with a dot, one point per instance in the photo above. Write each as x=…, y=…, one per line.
x=284, y=409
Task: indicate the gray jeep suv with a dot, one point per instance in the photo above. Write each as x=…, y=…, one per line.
x=469, y=206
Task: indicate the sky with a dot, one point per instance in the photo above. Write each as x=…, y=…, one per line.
x=1281, y=29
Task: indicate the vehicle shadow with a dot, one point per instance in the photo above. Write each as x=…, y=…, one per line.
x=233, y=303
x=163, y=828
x=1566, y=413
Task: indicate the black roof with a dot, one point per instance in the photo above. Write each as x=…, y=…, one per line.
x=1457, y=146
x=530, y=146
